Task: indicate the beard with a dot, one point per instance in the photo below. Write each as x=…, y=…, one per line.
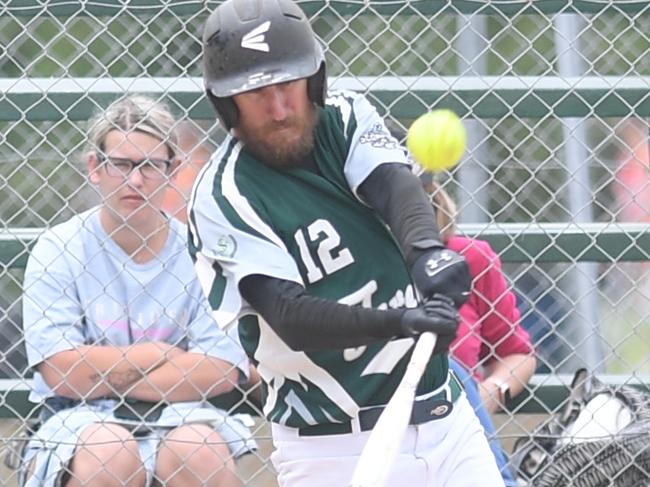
x=281, y=145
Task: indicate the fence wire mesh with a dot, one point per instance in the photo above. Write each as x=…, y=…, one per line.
x=555, y=96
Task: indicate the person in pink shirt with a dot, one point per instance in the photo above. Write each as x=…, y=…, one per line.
x=492, y=352
x=491, y=343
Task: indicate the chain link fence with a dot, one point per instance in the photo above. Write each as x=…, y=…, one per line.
x=554, y=94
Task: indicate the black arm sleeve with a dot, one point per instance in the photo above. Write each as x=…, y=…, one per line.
x=394, y=192
x=309, y=323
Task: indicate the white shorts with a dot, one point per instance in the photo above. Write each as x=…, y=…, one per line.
x=449, y=452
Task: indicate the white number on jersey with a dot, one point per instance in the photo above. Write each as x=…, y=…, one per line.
x=361, y=297
x=330, y=260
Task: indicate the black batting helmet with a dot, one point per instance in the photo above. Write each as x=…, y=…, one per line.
x=249, y=44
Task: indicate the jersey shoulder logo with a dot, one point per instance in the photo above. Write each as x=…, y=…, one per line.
x=378, y=136
x=255, y=38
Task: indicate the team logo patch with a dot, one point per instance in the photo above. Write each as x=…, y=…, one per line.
x=379, y=137
x=226, y=246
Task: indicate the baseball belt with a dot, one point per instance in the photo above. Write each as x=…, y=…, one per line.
x=437, y=406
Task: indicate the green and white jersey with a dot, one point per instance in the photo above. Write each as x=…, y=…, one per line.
x=248, y=218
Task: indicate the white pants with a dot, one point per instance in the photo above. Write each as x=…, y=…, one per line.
x=449, y=452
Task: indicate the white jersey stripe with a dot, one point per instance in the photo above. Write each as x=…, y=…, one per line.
x=294, y=365
x=240, y=203
x=206, y=172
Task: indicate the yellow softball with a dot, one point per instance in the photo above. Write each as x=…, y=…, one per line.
x=437, y=140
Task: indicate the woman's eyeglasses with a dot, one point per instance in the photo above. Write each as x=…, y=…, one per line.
x=121, y=167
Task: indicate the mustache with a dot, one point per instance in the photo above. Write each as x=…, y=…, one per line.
x=284, y=124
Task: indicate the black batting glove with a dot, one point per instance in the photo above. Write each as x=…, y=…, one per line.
x=442, y=271
x=438, y=315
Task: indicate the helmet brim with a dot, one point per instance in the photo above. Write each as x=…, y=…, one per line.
x=249, y=80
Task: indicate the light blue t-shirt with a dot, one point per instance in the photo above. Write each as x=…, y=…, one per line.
x=81, y=288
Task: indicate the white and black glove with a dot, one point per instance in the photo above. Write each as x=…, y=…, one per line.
x=437, y=315
x=442, y=271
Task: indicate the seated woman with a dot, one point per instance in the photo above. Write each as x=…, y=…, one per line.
x=119, y=332
x=492, y=353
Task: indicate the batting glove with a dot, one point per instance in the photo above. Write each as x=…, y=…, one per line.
x=438, y=315
x=442, y=271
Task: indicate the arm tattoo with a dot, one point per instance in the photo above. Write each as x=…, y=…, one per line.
x=118, y=381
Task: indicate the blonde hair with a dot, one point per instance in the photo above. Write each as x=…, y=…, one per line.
x=137, y=113
x=446, y=211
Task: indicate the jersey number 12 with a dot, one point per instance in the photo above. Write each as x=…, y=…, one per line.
x=331, y=259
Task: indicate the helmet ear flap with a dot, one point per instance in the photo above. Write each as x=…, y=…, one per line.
x=317, y=86
x=226, y=110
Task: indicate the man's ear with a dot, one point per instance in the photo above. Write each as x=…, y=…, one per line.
x=92, y=162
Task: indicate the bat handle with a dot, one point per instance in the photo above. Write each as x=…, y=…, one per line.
x=419, y=358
